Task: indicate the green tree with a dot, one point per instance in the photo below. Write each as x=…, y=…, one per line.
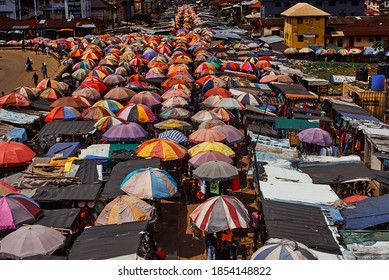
x=379, y=45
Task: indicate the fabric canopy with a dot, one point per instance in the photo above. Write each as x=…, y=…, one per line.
x=67, y=128
x=66, y=149
x=295, y=124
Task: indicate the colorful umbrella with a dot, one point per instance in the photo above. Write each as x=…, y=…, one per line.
x=112, y=105
x=164, y=149
x=136, y=113
x=174, y=135
x=149, y=183
x=230, y=103
x=207, y=156
x=233, y=66
x=204, y=115
x=89, y=93
x=27, y=92
x=173, y=124
x=96, y=113
x=248, y=67
x=125, y=132
x=175, y=93
x=50, y=94
x=107, y=122
x=217, y=91
x=220, y=213
x=211, y=146
x=268, y=79
x=232, y=134
x=50, y=83
x=175, y=101
x=79, y=74
x=31, y=240
x=114, y=80
x=15, y=154
x=16, y=210
x=14, y=99
x=119, y=94
x=62, y=113
x=7, y=189
x=93, y=83
x=215, y=171
x=174, y=113
x=210, y=123
x=125, y=209
x=212, y=100
x=283, y=249
x=206, y=135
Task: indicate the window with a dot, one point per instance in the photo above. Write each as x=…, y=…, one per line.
x=287, y=4
x=340, y=43
x=358, y=39
x=332, y=3
x=278, y=4
x=300, y=38
x=318, y=4
x=355, y=3
x=317, y=18
x=299, y=20
x=371, y=39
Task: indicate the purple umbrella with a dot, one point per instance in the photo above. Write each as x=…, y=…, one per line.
x=316, y=136
x=125, y=132
x=207, y=156
x=233, y=135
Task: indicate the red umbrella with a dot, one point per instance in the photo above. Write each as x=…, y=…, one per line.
x=217, y=91
x=14, y=99
x=15, y=154
x=7, y=189
x=70, y=102
x=233, y=66
x=354, y=198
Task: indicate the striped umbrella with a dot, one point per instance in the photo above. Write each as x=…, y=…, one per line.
x=62, y=113
x=230, y=103
x=204, y=115
x=175, y=101
x=220, y=213
x=136, y=113
x=174, y=113
x=164, y=149
x=211, y=123
x=112, y=105
x=174, y=135
x=96, y=113
x=125, y=209
x=125, y=132
x=149, y=183
x=27, y=92
x=107, y=122
x=50, y=94
x=283, y=249
x=249, y=99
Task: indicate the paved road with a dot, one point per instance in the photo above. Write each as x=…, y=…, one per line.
x=12, y=68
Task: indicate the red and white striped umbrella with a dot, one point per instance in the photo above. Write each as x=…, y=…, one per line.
x=220, y=213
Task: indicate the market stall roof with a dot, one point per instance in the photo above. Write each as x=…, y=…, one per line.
x=83, y=192
x=382, y=177
x=17, y=118
x=294, y=91
x=338, y=173
x=295, y=124
x=303, y=223
x=65, y=149
x=59, y=218
x=110, y=241
x=351, y=110
x=120, y=171
x=367, y=213
x=87, y=171
x=67, y=128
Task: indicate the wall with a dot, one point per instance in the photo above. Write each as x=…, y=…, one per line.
x=294, y=29
x=9, y=9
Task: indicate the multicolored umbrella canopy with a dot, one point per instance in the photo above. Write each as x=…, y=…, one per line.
x=315, y=136
x=15, y=100
x=220, y=213
x=206, y=135
x=283, y=249
x=89, y=93
x=149, y=183
x=174, y=135
x=175, y=93
x=125, y=209
x=7, y=189
x=233, y=66
x=15, y=154
x=50, y=94
x=62, y=113
x=230, y=103
x=125, y=132
x=207, y=156
x=250, y=99
x=136, y=113
x=145, y=99
x=175, y=101
x=16, y=210
x=211, y=123
x=50, y=83
x=232, y=134
x=114, y=80
x=211, y=146
x=27, y=92
x=173, y=124
x=107, y=122
x=94, y=83
x=204, y=115
x=174, y=113
x=112, y=105
x=31, y=240
x=164, y=149
x=96, y=113
x=119, y=94
x=215, y=171
x=217, y=91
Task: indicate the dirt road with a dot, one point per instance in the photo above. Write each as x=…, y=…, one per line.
x=12, y=68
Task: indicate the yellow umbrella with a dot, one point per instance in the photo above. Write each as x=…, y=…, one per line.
x=211, y=146
x=173, y=124
x=162, y=148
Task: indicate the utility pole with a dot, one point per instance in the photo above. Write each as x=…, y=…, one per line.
x=35, y=13
x=20, y=10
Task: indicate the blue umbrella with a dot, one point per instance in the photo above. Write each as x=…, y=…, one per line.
x=149, y=183
x=174, y=135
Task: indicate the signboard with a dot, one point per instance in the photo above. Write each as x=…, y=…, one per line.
x=74, y=7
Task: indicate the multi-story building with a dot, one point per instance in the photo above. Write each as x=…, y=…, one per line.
x=59, y=9
x=8, y=8
x=304, y=26
x=274, y=8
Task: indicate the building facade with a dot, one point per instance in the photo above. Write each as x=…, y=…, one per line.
x=8, y=8
x=304, y=26
x=274, y=8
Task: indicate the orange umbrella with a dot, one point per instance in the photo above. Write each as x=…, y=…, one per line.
x=14, y=99
x=206, y=135
x=165, y=149
x=218, y=91
x=70, y=102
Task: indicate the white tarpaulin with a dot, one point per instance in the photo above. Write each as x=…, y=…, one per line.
x=275, y=173
x=100, y=150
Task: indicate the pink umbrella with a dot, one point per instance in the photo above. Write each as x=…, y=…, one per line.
x=268, y=79
x=207, y=156
x=233, y=135
x=206, y=135
x=146, y=99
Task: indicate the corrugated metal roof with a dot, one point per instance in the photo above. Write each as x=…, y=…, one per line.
x=305, y=224
x=304, y=10
x=83, y=192
x=59, y=218
x=67, y=128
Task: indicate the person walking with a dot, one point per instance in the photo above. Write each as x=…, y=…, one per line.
x=23, y=45
x=36, y=48
x=44, y=70
x=47, y=51
x=35, y=78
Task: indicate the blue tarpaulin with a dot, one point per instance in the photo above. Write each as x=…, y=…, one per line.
x=66, y=149
x=17, y=134
x=369, y=212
